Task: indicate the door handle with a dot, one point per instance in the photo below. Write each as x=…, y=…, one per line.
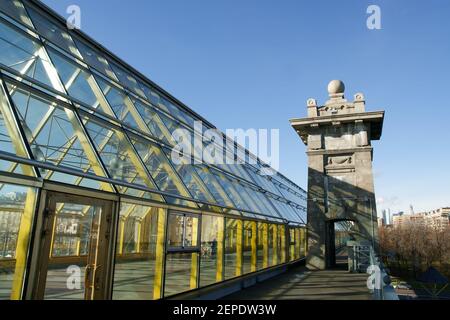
x=87, y=276
x=96, y=277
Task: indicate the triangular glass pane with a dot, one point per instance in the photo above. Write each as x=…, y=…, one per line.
x=161, y=171
x=15, y=10
x=119, y=157
x=153, y=121
x=8, y=144
x=213, y=186
x=78, y=82
x=21, y=53
x=55, y=136
x=52, y=31
x=119, y=102
x=94, y=58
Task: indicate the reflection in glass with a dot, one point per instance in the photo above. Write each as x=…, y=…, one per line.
x=16, y=216
x=135, y=264
x=15, y=9
x=24, y=55
x=181, y=273
x=74, y=243
x=212, y=226
x=51, y=30
x=230, y=248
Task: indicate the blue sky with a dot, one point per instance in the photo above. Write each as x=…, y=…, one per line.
x=254, y=63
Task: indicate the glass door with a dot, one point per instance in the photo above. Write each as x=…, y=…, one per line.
x=74, y=248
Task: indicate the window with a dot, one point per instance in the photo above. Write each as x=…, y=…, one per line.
x=182, y=259
x=139, y=252
x=182, y=231
x=16, y=213
x=211, y=249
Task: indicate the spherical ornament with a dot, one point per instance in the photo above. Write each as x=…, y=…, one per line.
x=336, y=87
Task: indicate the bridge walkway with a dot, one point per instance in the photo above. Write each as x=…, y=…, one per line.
x=301, y=283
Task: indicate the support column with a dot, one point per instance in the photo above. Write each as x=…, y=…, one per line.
x=265, y=245
x=254, y=244
x=159, y=258
x=220, y=251
x=239, y=238
x=275, y=245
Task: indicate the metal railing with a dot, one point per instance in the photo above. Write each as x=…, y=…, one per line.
x=363, y=259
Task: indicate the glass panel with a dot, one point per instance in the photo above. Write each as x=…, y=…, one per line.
x=175, y=229
x=213, y=186
x=74, y=244
x=191, y=180
x=56, y=137
x=119, y=158
x=52, y=31
x=127, y=79
x=26, y=56
x=94, y=58
x=153, y=122
x=10, y=141
x=191, y=233
x=119, y=102
x=16, y=215
x=211, y=227
x=230, y=248
x=161, y=171
x=135, y=263
x=292, y=244
x=231, y=192
x=79, y=83
x=15, y=9
x=181, y=273
x=262, y=240
x=247, y=246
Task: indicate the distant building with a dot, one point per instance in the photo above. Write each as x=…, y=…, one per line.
x=381, y=221
x=439, y=218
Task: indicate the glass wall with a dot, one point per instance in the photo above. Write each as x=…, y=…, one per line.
x=183, y=253
x=249, y=247
x=139, y=246
x=211, y=262
x=233, y=234
x=181, y=272
x=72, y=115
x=263, y=246
x=17, y=205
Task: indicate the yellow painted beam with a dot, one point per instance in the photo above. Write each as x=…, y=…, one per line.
x=239, y=252
x=302, y=242
x=282, y=233
x=13, y=131
x=220, y=251
x=275, y=245
x=121, y=235
x=138, y=236
x=297, y=243
x=194, y=271
x=195, y=257
x=23, y=240
x=265, y=245
x=291, y=244
x=159, y=258
x=254, y=243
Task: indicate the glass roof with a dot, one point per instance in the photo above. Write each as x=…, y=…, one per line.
x=81, y=108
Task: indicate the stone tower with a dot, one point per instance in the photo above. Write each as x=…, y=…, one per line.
x=338, y=137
